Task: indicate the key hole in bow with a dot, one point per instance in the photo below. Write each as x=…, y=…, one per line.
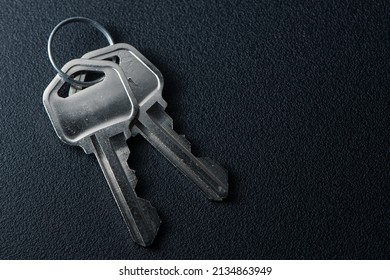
x=67, y=90
x=114, y=59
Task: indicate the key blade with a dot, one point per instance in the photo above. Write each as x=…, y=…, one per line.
x=139, y=215
x=156, y=127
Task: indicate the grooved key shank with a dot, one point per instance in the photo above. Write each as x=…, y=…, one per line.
x=140, y=217
x=156, y=127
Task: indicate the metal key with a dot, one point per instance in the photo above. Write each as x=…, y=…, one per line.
x=156, y=126
x=97, y=119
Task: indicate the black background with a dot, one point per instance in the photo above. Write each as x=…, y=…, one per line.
x=292, y=97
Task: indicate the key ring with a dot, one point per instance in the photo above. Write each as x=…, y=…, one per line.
x=91, y=22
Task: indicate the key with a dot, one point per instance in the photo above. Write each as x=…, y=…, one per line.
x=156, y=126
x=97, y=119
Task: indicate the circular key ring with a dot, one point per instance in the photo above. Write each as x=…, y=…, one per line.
x=91, y=22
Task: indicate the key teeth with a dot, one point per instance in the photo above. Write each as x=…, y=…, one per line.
x=166, y=121
x=123, y=155
x=145, y=236
x=185, y=142
x=221, y=174
x=130, y=173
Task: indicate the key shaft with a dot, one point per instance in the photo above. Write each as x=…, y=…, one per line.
x=140, y=217
x=156, y=127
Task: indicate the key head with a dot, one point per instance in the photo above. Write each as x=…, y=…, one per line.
x=107, y=107
x=144, y=78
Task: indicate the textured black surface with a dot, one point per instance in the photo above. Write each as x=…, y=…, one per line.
x=292, y=97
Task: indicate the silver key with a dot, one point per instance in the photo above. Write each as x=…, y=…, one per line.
x=97, y=119
x=156, y=126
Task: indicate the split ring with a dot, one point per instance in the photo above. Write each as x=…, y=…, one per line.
x=91, y=22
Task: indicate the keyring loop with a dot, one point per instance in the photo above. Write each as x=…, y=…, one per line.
x=91, y=22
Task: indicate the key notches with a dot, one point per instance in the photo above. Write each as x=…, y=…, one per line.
x=64, y=76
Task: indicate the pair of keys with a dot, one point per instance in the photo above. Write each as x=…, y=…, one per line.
x=125, y=102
